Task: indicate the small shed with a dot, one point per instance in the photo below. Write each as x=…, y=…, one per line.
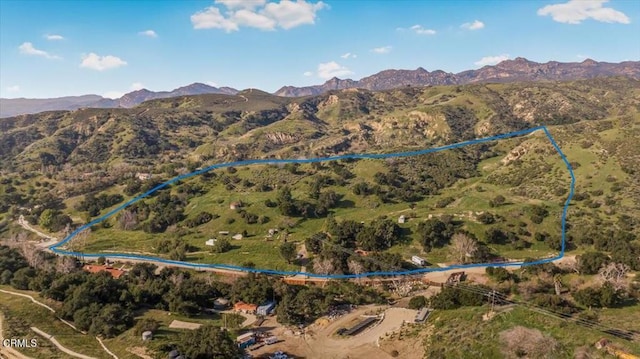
x=210, y=242
x=266, y=309
x=237, y=236
x=174, y=354
x=402, y=219
x=148, y=335
x=235, y=205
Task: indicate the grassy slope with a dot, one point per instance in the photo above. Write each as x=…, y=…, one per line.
x=476, y=338
x=21, y=313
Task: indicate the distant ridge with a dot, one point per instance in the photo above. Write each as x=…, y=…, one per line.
x=518, y=69
x=21, y=106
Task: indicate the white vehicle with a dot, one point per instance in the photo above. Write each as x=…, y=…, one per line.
x=418, y=261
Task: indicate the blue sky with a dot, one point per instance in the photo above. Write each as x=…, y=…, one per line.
x=59, y=48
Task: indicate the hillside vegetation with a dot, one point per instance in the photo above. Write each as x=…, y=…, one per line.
x=501, y=199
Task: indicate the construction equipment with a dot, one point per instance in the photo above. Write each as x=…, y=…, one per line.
x=611, y=349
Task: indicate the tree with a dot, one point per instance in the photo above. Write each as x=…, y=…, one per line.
x=499, y=274
x=112, y=320
x=315, y=242
x=221, y=245
x=591, y=262
x=433, y=233
x=208, y=342
x=463, y=247
x=418, y=302
x=128, y=220
x=615, y=274
x=486, y=218
x=46, y=218
x=288, y=251
x=497, y=201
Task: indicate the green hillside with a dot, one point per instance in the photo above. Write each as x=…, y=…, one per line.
x=503, y=198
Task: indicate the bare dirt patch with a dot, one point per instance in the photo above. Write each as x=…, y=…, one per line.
x=178, y=324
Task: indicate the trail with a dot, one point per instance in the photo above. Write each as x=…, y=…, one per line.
x=30, y=298
x=50, y=239
x=60, y=346
x=9, y=352
x=106, y=349
x=62, y=320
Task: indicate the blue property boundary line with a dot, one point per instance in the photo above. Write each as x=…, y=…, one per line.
x=55, y=248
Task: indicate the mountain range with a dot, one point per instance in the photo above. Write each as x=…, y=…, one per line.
x=19, y=106
x=516, y=70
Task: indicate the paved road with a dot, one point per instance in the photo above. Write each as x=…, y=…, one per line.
x=439, y=276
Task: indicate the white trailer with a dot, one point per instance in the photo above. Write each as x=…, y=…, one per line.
x=418, y=261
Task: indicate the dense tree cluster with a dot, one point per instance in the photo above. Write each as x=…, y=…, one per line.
x=200, y=219
x=334, y=249
x=94, y=204
x=208, y=342
x=603, y=296
x=434, y=233
x=166, y=210
x=454, y=297
x=288, y=206
x=54, y=220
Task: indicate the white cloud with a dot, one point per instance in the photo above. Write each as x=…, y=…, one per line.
x=249, y=18
x=575, y=11
x=348, y=55
x=28, y=49
x=211, y=83
x=290, y=14
x=331, y=69
x=308, y=73
x=54, y=37
x=258, y=14
x=136, y=86
x=101, y=63
x=14, y=88
x=148, y=33
x=492, y=60
x=382, y=50
x=418, y=29
x=211, y=18
x=475, y=25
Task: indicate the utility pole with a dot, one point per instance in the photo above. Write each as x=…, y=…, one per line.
x=493, y=299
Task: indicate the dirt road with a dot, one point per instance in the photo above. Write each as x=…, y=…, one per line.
x=440, y=276
x=9, y=352
x=60, y=346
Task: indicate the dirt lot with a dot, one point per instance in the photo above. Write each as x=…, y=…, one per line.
x=177, y=324
x=319, y=340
